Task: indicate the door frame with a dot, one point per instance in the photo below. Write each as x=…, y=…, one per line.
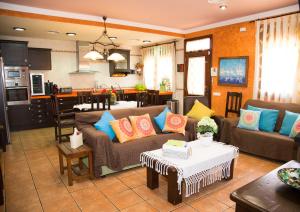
x=206, y=53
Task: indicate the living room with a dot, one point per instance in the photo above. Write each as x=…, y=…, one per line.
x=107, y=109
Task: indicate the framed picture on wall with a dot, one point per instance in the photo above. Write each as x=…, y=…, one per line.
x=233, y=71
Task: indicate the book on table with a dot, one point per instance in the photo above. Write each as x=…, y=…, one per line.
x=177, y=149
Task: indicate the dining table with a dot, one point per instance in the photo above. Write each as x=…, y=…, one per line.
x=116, y=106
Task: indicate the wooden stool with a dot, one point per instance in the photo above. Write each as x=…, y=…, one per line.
x=64, y=149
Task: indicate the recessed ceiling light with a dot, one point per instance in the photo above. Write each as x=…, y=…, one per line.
x=223, y=7
x=113, y=38
x=21, y=29
x=71, y=34
x=146, y=41
x=53, y=32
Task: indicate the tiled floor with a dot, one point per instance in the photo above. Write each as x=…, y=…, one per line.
x=33, y=183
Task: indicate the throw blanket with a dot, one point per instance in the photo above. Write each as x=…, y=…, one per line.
x=210, y=162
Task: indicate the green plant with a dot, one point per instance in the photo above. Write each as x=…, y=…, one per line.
x=140, y=87
x=207, y=125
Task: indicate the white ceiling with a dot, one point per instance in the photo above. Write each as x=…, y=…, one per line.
x=176, y=14
x=39, y=29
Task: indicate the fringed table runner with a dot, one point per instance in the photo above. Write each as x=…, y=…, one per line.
x=210, y=162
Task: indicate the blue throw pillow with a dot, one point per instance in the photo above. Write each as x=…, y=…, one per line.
x=104, y=125
x=288, y=122
x=268, y=118
x=249, y=120
x=160, y=120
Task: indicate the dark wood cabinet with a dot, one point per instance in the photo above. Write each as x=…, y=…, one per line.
x=14, y=53
x=39, y=59
x=19, y=117
x=122, y=66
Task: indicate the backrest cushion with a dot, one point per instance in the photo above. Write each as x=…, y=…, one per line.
x=104, y=125
x=175, y=123
x=142, y=125
x=296, y=128
x=249, y=120
x=282, y=107
x=123, y=129
x=160, y=120
x=288, y=122
x=268, y=118
x=199, y=111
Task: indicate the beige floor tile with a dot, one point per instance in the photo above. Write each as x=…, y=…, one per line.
x=125, y=199
x=134, y=180
x=140, y=207
x=185, y=208
x=77, y=184
x=65, y=203
x=147, y=193
x=31, y=207
x=105, y=182
x=208, y=204
x=162, y=204
x=114, y=189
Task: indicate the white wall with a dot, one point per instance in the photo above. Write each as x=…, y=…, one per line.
x=179, y=75
x=63, y=58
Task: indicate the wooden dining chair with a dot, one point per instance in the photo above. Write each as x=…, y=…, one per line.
x=153, y=97
x=104, y=99
x=120, y=95
x=84, y=97
x=63, y=118
x=233, y=103
x=142, y=99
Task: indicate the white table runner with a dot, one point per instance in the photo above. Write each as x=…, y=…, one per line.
x=119, y=105
x=210, y=162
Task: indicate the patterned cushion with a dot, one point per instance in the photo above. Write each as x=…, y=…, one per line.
x=249, y=120
x=142, y=125
x=296, y=128
x=123, y=130
x=288, y=122
x=175, y=123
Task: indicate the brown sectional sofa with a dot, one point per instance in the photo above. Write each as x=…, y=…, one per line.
x=116, y=156
x=269, y=145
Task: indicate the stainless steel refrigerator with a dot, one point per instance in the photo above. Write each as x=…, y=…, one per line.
x=3, y=104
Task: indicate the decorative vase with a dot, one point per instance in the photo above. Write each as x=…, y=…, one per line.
x=205, y=137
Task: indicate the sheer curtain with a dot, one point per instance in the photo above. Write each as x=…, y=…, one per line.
x=159, y=64
x=278, y=63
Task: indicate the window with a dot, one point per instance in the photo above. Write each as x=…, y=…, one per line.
x=198, y=45
x=159, y=66
x=196, y=76
x=277, y=71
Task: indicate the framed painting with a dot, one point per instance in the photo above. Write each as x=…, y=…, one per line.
x=233, y=71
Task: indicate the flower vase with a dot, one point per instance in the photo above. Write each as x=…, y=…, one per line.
x=208, y=137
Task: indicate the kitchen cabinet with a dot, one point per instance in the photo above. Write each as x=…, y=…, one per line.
x=39, y=59
x=122, y=66
x=19, y=117
x=14, y=53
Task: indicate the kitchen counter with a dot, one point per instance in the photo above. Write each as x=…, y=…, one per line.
x=97, y=92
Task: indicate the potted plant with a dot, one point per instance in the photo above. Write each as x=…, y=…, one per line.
x=206, y=128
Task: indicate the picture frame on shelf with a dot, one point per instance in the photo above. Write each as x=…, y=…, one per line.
x=233, y=71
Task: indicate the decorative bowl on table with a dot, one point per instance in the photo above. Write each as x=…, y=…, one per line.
x=290, y=176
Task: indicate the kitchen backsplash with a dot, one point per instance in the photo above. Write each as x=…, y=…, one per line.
x=63, y=58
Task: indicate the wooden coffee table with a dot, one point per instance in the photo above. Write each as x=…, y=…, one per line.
x=80, y=170
x=268, y=193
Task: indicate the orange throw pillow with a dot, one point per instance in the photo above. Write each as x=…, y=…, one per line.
x=123, y=130
x=175, y=123
x=142, y=125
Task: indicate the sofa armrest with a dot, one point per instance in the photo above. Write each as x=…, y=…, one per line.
x=219, y=121
x=101, y=145
x=191, y=126
x=227, y=128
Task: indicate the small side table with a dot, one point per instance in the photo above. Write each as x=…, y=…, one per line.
x=80, y=170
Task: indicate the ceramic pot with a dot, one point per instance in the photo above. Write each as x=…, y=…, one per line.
x=205, y=137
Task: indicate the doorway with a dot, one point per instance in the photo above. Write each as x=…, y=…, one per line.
x=197, y=63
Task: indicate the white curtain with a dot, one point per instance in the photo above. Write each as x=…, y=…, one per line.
x=159, y=64
x=278, y=52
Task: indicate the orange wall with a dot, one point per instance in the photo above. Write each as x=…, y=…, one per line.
x=228, y=41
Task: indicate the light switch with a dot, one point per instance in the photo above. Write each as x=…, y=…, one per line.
x=216, y=93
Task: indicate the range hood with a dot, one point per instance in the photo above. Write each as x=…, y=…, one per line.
x=82, y=67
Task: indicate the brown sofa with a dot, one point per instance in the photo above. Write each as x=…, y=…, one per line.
x=269, y=145
x=113, y=156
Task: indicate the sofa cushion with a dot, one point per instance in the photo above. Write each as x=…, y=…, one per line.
x=123, y=129
x=296, y=128
x=104, y=125
x=142, y=125
x=175, y=123
x=267, y=119
x=288, y=122
x=270, y=145
x=199, y=111
x=249, y=120
x=160, y=120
